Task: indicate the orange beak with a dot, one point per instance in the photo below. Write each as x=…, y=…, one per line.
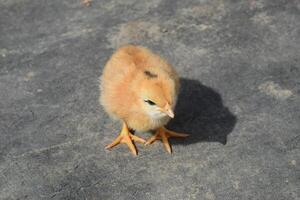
x=169, y=111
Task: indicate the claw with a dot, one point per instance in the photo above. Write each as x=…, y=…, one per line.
x=163, y=134
x=127, y=138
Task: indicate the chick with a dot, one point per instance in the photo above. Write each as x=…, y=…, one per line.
x=140, y=89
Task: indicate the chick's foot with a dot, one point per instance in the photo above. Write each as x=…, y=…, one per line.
x=163, y=134
x=86, y=2
x=126, y=137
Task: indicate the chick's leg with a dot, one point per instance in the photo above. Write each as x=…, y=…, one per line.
x=126, y=137
x=163, y=134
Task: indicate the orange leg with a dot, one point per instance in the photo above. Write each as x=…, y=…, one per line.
x=163, y=134
x=126, y=137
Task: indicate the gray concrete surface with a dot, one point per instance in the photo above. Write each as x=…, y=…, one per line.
x=240, y=68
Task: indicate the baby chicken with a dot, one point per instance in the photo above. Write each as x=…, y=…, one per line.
x=140, y=89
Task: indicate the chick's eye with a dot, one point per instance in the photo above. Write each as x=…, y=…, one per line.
x=150, y=102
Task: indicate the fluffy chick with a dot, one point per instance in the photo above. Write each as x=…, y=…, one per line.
x=140, y=89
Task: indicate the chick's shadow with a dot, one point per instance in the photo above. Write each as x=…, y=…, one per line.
x=201, y=114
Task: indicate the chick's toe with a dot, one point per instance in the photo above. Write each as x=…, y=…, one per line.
x=126, y=137
x=163, y=134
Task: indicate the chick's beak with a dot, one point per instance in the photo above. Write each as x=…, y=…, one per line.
x=169, y=111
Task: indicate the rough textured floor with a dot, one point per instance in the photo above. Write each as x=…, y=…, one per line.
x=240, y=100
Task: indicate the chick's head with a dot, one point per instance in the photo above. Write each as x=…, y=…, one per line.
x=158, y=98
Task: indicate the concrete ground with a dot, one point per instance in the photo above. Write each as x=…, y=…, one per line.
x=240, y=100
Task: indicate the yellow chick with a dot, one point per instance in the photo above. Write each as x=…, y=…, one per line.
x=140, y=89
